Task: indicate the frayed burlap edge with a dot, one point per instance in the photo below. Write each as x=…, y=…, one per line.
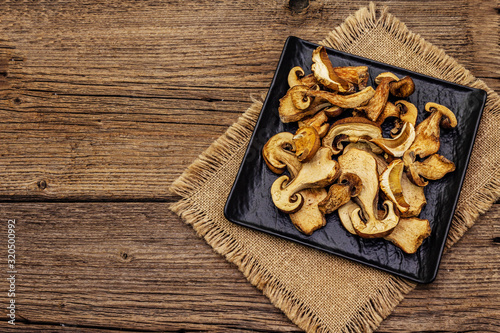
x=365, y=20
x=381, y=304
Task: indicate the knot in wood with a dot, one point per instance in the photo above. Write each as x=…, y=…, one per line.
x=298, y=6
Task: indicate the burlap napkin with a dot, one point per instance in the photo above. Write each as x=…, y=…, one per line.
x=331, y=294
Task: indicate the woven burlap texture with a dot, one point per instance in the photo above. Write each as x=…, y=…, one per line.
x=317, y=291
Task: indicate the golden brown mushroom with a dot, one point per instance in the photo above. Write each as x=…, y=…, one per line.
x=319, y=172
x=434, y=167
x=362, y=164
x=351, y=129
x=296, y=104
x=279, y=154
x=414, y=195
x=427, y=140
x=390, y=184
x=357, y=75
x=401, y=88
x=339, y=194
x=409, y=234
x=309, y=218
x=398, y=145
x=344, y=101
x=376, y=105
x=318, y=121
x=427, y=132
x=323, y=72
x=307, y=142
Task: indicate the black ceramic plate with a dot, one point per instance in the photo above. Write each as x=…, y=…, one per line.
x=250, y=204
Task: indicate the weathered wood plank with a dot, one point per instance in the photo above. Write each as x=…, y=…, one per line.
x=100, y=101
x=136, y=266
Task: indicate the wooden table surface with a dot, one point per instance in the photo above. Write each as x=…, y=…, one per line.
x=104, y=105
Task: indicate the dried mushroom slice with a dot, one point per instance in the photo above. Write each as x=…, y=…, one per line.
x=351, y=129
x=409, y=234
x=307, y=142
x=402, y=88
x=390, y=110
x=390, y=184
x=279, y=154
x=434, y=167
x=344, y=101
x=376, y=105
x=309, y=218
x=319, y=172
x=296, y=104
x=294, y=76
x=319, y=121
x=407, y=114
x=345, y=213
x=398, y=145
x=414, y=195
x=428, y=131
x=357, y=75
x=323, y=72
x=339, y=194
x=362, y=164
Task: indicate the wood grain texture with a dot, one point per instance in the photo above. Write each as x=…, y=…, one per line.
x=135, y=266
x=112, y=101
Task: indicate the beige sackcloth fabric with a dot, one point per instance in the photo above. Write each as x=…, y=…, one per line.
x=331, y=294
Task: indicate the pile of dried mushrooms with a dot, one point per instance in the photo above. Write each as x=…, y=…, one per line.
x=367, y=166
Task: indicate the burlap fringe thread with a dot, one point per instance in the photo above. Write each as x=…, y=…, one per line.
x=383, y=302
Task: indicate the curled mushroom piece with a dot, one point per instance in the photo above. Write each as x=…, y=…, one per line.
x=351, y=129
x=357, y=75
x=319, y=172
x=323, y=72
x=427, y=140
x=307, y=142
x=409, y=234
x=414, y=195
x=296, y=104
x=401, y=88
x=362, y=164
x=407, y=114
x=309, y=217
x=345, y=212
x=390, y=184
x=377, y=103
x=397, y=146
x=390, y=110
x=339, y=194
x=296, y=78
x=279, y=154
x=319, y=121
x=434, y=167
x=344, y=101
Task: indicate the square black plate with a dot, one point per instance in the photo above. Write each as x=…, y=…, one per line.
x=250, y=203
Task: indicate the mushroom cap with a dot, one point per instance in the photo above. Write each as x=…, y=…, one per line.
x=279, y=154
x=449, y=120
x=390, y=75
x=307, y=142
x=295, y=75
